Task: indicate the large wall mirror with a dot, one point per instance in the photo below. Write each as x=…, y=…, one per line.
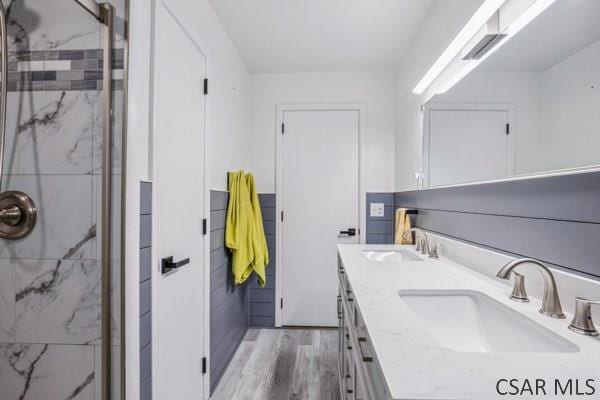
x=531, y=107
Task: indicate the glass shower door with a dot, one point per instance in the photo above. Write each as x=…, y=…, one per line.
x=51, y=281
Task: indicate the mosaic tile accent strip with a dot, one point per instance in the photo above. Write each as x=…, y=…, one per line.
x=60, y=70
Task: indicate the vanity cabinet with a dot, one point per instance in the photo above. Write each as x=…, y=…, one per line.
x=360, y=375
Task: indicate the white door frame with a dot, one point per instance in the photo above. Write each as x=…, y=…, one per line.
x=281, y=109
x=458, y=106
x=205, y=265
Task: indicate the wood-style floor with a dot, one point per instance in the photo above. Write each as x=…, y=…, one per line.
x=283, y=364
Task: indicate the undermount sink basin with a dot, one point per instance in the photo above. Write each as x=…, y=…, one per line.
x=470, y=321
x=390, y=255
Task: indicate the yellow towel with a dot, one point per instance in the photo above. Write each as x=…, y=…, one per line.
x=259, y=241
x=244, y=232
x=402, y=224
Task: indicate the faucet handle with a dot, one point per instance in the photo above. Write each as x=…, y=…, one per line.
x=519, y=293
x=424, y=246
x=582, y=320
x=433, y=251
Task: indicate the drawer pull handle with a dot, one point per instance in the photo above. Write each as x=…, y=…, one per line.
x=365, y=358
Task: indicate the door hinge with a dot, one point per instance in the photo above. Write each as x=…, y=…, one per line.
x=281, y=303
x=204, y=226
x=205, y=86
x=508, y=129
x=282, y=128
x=203, y=365
x=282, y=216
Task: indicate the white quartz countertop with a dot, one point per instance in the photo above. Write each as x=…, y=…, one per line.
x=416, y=366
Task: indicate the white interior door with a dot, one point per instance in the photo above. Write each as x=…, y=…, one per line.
x=179, y=209
x=320, y=198
x=468, y=146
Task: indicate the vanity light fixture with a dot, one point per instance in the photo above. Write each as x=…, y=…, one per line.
x=465, y=66
x=481, y=16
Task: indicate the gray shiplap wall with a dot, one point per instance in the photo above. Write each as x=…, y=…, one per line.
x=262, y=300
x=145, y=291
x=555, y=219
x=380, y=230
x=235, y=308
x=228, y=302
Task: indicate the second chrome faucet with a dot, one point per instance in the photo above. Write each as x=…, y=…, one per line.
x=550, y=302
x=422, y=244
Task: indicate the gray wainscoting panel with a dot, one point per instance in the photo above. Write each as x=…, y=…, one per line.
x=262, y=300
x=228, y=302
x=555, y=219
x=145, y=291
x=234, y=308
x=380, y=230
x=566, y=198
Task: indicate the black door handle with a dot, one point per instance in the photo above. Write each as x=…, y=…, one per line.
x=348, y=232
x=167, y=264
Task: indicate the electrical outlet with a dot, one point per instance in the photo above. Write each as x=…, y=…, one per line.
x=377, y=210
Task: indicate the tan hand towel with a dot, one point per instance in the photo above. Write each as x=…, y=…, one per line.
x=402, y=224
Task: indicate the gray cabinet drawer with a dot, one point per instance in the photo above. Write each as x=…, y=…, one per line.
x=366, y=362
x=360, y=375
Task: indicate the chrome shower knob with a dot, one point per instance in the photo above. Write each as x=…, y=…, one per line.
x=18, y=215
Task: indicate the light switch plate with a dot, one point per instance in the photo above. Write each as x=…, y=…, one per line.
x=377, y=209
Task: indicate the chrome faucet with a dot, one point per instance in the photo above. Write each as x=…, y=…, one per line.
x=582, y=320
x=424, y=247
x=550, y=302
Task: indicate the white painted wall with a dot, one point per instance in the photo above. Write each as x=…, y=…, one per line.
x=445, y=20
x=227, y=127
x=570, y=109
x=376, y=90
x=138, y=169
x=226, y=132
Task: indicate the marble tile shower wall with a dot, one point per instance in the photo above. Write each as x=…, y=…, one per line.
x=50, y=281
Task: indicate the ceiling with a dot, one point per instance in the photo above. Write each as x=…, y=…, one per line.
x=567, y=27
x=322, y=35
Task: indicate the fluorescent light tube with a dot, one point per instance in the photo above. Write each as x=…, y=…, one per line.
x=522, y=21
x=481, y=16
x=529, y=15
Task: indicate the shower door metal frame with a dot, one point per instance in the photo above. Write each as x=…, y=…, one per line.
x=107, y=14
x=104, y=13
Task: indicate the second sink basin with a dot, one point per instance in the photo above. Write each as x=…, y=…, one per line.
x=470, y=321
x=390, y=255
